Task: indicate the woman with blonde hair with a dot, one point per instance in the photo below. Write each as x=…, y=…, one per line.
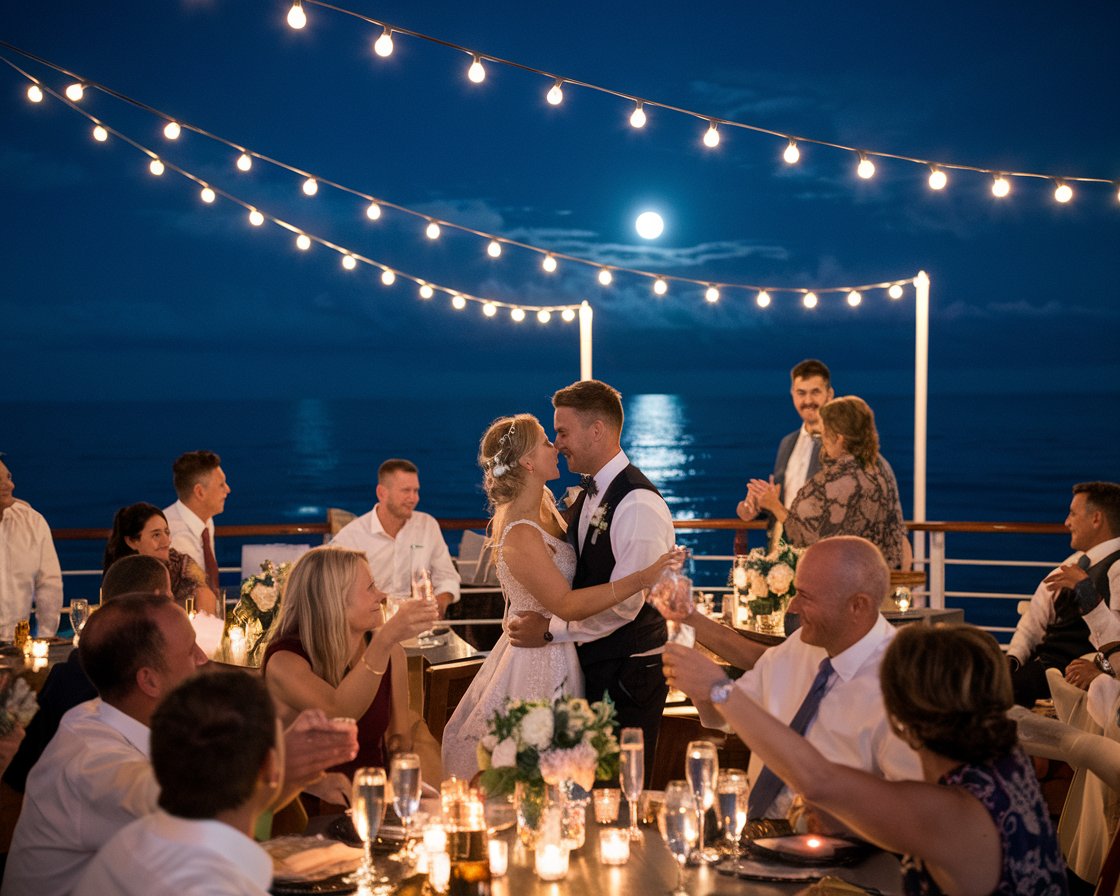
x=535, y=565
x=332, y=649
x=854, y=492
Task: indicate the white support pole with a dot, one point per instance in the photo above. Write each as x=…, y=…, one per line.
x=585, y=317
x=921, y=401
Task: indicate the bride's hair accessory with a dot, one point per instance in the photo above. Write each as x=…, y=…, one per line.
x=499, y=468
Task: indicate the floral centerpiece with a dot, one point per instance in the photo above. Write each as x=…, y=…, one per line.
x=260, y=603
x=17, y=702
x=763, y=579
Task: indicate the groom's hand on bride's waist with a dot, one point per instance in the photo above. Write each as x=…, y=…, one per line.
x=528, y=630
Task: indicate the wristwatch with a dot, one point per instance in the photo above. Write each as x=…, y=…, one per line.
x=1101, y=660
x=720, y=691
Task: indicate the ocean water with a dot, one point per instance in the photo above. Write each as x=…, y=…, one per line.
x=990, y=457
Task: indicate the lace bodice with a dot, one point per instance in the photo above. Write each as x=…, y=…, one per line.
x=518, y=599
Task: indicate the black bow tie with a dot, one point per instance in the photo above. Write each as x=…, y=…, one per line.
x=587, y=483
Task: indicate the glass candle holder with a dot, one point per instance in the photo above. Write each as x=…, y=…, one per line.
x=614, y=846
x=499, y=857
x=606, y=800
x=551, y=861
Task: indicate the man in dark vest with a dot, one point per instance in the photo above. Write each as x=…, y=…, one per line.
x=618, y=524
x=1077, y=604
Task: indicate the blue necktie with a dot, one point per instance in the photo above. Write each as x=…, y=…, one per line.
x=768, y=784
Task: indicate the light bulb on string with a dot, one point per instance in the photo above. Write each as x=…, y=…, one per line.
x=349, y=262
x=1063, y=192
x=854, y=298
x=432, y=230
x=762, y=299
x=549, y=263
x=555, y=95
x=156, y=167
x=244, y=162
x=568, y=315
x=895, y=292
x=494, y=249
x=1001, y=186
x=458, y=302
x=35, y=93
x=711, y=136
x=426, y=292
x=388, y=277
x=605, y=277
x=373, y=211
x=638, y=116
x=865, y=168
x=660, y=287
x=711, y=295
x=256, y=218
x=810, y=300
x=489, y=309
x=100, y=134
x=207, y=195
x=75, y=92
x=544, y=315
x=476, y=73
x=310, y=187
x=297, y=18
x=172, y=130
x=383, y=46
x=303, y=242
x=518, y=314
x=792, y=154
x=938, y=179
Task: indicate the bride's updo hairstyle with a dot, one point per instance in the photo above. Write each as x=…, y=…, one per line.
x=507, y=440
x=948, y=687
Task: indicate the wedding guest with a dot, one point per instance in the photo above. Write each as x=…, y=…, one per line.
x=142, y=529
x=397, y=539
x=977, y=822
x=29, y=570
x=854, y=492
x=201, y=486
x=200, y=840
x=331, y=649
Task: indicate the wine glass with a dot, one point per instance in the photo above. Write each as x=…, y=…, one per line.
x=680, y=826
x=404, y=778
x=422, y=590
x=367, y=806
x=731, y=796
x=79, y=616
x=632, y=772
x=701, y=770
x=671, y=595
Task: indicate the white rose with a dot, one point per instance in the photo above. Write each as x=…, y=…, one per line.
x=489, y=742
x=758, y=586
x=780, y=578
x=536, y=727
x=505, y=754
x=264, y=597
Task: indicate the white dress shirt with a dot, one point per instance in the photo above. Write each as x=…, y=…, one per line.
x=93, y=779
x=797, y=467
x=1103, y=620
x=186, y=857
x=390, y=559
x=29, y=571
x=641, y=531
x=186, y=532
x=850, y=727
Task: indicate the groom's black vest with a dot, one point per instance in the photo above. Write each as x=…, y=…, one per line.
x=594, y=566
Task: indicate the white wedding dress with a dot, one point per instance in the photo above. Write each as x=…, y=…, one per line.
x=525, y=673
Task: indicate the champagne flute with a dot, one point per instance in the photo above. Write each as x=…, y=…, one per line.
x=79, y=616
x=367, y=806
x=731, y=795
x=422, y=590
x=404, y=778
x=632, y=772
x=701, y=770
x=679, y=823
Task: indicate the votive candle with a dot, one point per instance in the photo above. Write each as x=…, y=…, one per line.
x=499, y=857
x=435, y=839
x=552, y=862
x=614, y=846
x=439, y=871
x=40, y=649
x=606, y=800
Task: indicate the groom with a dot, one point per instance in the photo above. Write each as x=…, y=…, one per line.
x=618, y=524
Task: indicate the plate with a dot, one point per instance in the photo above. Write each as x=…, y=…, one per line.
x=809, y=850
x=333, y=884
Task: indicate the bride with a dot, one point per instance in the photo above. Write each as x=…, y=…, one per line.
x=535, y=565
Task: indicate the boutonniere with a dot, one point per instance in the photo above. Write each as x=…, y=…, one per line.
x=599, y=522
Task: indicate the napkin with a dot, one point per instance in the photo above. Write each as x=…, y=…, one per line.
x=208, y=632
x=834, y=886
x=317, y=860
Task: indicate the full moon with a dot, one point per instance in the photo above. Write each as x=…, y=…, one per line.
x=649, y=225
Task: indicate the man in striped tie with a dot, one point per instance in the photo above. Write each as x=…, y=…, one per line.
x=823, y=680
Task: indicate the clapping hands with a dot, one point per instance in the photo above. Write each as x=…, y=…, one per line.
x=763, y=493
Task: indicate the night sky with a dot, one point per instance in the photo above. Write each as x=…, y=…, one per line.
x=119, y=284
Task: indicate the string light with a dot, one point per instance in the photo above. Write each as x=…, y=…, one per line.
x=476, y=73
x=208, y=195
x=156, y=167
x=711, y=136
x=388, y=277
x=938, y=179
x=1063, y=192
x=383, y=46
x=35, y=93
x=458, y=302
x=568, y=315
x=373, y=211
x=426, y=292
x=349, y=262
x=244, y=162
x=555, y=95
x=75, y=92
x=762, y=300
x=494, y=249
x=432, y=230
x=256, y=218
x=865, y=168
x=303, y=242
x=297, y=18
x=549, y=263
x=810, y=300
x=489, y=309
x=605, y=277
x=544, y=315
x=1000, y=186
x=100, y=134
x=895, y=292
x=660, y=287
x=171, y=130
x=310, y=187
x=518, y=314
x=792, y=155
x=711, y=295
x=638, y=116
x=854, y=298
